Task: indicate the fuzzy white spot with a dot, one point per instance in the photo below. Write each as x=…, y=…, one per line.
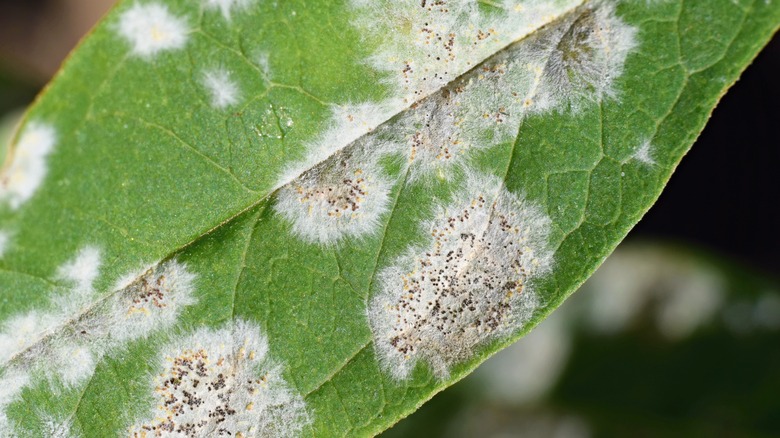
x=22, y=331
x=151, y=302
x=412, y=37
x=83, y=270
x=644, y=154
x=570, y=64
x=228, y=6
x=423, y=45
x=151, y=29
x=27, y=166
x=479, y=111
x=65, y=343
x=53, y=428
x=471, y=283
x=566, y=66
x=343, y=197
x=222, y=89
x=264, y=63
x=131, y=277
x=348, y=123
x=222, y=382
x=73, y=363
x=577, y=61
x=11, y=385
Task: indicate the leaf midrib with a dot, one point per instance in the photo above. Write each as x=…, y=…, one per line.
x=49, y=333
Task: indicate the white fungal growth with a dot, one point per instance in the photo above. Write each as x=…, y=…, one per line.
x=26, y=169
x=11, y=385
x=566, y=66
x=471, y=283
x=423, y=45
x=344, y=197
x=74, y=363
x=348, y=123
x=577, y=61
x=228, y=6
x=571, y=63
x=152, y=302
x=264, y=63
x=223, y=91
x=478, y=111
x=150, y=29
x=430, y=136
x=82, y=270
x=65, y=343
x=644, y=154
x=19, y=332
x=54, y=428
x=221, y=382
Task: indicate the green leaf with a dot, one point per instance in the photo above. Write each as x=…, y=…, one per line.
x=306, y=218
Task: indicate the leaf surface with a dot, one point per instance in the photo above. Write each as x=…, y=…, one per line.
x=306, y=218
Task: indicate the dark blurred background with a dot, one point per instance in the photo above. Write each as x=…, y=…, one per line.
x=676, y=335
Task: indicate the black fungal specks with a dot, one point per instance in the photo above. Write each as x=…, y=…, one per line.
x=468, y=285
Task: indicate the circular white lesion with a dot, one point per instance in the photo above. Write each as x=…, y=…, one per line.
x=221, y=382
x=472, y=282
x=344, y=197
x=25, y=167
x=151, y=28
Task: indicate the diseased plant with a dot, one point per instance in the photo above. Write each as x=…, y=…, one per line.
x=257, y=218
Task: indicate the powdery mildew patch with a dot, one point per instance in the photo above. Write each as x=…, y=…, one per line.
x=263, y=61
x=223, y=91
x=221, y=382
x=644, y=154
x=348, y=123
x=578, y=60
x=82, y=270
x=227, y=7
x=423, y=46
x=344, y=197
x=12, y=382
x=426, y=44
x=471, y=283
x=26, y=169
x=567, y=66
x=64, y=344
x=53, y=428
x=19, y=332
x=151, y=28
x=23, y=330
x=24, y=350
x=152, y=302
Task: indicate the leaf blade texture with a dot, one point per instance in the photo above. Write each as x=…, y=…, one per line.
x=306, y=218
